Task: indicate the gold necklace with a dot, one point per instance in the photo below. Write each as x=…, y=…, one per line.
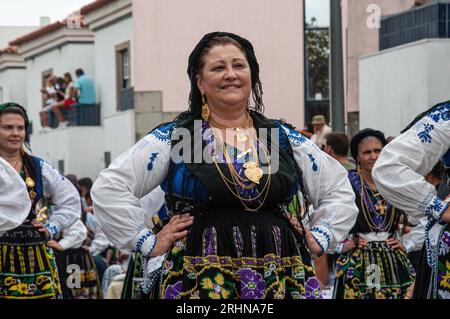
x=237, y=180
x=366, y=211
x=239, y=134
x=15, y=164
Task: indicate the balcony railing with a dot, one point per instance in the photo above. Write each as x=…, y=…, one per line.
x=425, y=22
x=78, y=115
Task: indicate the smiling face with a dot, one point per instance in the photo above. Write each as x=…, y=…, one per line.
x=225, y=78
x=369, y=150
x=12, y=132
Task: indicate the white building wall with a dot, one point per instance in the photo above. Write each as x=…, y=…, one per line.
x=8, y=34
x=68, y=58
x=119, y=127
x=399, y=83
x=106, y=40
x=166, y=31
x=80, y=148
x=13, y=83
x=119, y=130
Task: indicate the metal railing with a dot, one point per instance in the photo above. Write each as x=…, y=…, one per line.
x=78, y=115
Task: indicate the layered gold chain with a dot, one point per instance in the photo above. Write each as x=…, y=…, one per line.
x=252, y=171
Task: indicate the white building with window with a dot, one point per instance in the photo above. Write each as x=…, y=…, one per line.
x=112, y=26
x=54, y=50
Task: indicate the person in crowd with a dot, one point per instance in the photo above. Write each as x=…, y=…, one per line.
x=373, y=244
x=85, y=88
x=69, y=253
x=399, y=175
x=49, y=95
x=230, y=234
x=27, y=263
x=337, y=146
x=320, y=129
x=67, y=102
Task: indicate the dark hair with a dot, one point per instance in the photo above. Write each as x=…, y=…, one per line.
x=15, y=108
x=85, y=182
x=354, y=143
x=79, y=72
x=338, y=142
x=195, y=63
x=68, y=75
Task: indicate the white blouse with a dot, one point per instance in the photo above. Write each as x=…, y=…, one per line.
x=142, y=168
x=15, y=202
x=399, y=171
x=74, y=235
x=65, y=197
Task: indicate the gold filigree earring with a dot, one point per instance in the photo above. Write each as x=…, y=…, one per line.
x=205, y=109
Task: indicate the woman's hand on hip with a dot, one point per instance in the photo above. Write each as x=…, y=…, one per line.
x=174, y=230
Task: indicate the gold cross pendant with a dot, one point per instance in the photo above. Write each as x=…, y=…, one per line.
x=381, y=207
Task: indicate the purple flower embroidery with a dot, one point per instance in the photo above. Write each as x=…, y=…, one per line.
x=252, y=284
x=350, y=272
x=313, y=289
x=173, y=291
x=445, y=240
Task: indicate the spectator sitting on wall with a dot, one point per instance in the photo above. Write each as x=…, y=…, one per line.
x=67, y=102
x=49, y=96
x=85, y=88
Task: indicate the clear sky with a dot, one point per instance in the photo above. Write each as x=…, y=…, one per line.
x=28, y=12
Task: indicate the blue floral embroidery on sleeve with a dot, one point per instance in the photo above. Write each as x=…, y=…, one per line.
x=425, y=134
x=313, y=160
x=441, y=113
x=296, y=138
x=163, y=132
x=152, y=159
x=435, y=209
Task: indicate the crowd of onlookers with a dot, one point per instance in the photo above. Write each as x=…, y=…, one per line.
x=63, y=93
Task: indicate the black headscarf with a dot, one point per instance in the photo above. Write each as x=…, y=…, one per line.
x=195, y=97
x=362, y=135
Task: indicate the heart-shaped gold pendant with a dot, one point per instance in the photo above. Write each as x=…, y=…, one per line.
x=253, y=172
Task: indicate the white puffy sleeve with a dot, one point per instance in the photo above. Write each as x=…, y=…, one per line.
x=328, y=188
x=415, y=238
x=74, y=236
x=65, y=197
x=117, y=191
x=399, y=171
x=15, y=202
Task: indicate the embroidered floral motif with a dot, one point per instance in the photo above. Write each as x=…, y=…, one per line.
x=152, y=159
x=440, y=113
x=444, y=280
x=252, y=284
x=295, y=137
x=218, y=288
x=435, y=209
x=313, y=160
x=173, y=291
x=425, y=134
x=162, y=133
x=313, y=289
x=445, y=240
